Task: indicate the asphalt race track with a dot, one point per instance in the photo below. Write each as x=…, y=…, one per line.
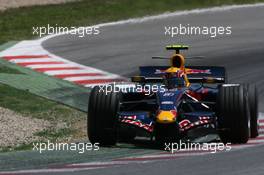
x=246, y=161
x=122, y=48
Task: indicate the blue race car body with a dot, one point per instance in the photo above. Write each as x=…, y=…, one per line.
x=172, y=103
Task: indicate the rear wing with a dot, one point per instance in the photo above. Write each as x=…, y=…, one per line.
x=196, y=74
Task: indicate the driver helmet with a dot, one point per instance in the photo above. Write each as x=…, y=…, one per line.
x=174, y=79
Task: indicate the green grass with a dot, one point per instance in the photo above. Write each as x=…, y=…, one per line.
x=7, y=70
x=30, y=105
x=26, y=103
x=16, y=24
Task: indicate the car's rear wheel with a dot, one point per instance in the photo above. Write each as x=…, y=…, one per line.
x=233, y=114
x=102, y=117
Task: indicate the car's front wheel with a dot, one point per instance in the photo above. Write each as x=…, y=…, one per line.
x=233, y=114
x=102, y=117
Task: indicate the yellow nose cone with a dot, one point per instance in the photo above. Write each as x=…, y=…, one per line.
x=166, y=117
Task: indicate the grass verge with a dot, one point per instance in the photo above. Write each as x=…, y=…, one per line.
x=16, y=24
x=26, y=103
x=7, y=70
x=67, y=124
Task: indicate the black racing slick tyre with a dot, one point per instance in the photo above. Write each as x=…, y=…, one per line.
x=102, y=117
x=233, y=114
x=253, y=104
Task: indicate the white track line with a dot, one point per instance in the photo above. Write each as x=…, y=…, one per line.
x=67, y=72
x=33, y=60
x=90, y=85
x=178, y=154
x=36, y=66
x=92, y=78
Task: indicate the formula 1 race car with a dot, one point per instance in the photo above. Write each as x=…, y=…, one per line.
x=172, y=103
